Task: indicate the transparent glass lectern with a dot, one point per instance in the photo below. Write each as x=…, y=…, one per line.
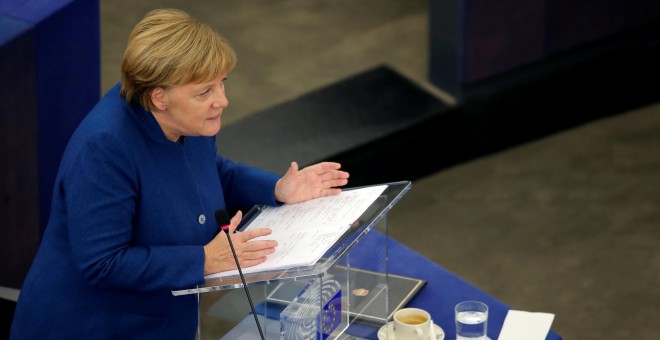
x=343, y=295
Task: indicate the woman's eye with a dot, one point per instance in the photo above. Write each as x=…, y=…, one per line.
x=205, y=92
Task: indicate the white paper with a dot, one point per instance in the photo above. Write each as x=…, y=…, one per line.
x=520, y=325
x=305, y=231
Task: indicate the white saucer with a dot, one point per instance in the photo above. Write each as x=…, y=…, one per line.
x=389, y=329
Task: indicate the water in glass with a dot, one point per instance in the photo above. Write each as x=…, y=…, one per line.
x=471, y=325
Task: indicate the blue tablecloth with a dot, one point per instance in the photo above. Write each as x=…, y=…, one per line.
x=443, y=289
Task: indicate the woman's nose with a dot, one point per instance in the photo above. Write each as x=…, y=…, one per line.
x=220, y=101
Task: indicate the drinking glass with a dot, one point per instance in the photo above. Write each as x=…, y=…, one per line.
x=471, y=320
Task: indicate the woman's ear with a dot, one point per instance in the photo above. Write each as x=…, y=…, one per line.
x=159, y=98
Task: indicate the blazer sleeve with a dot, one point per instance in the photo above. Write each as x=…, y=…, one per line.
x=244, y=185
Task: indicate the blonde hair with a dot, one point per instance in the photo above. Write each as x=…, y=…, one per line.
x=167, y=48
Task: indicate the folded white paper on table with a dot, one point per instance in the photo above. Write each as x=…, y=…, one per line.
x=520, y=325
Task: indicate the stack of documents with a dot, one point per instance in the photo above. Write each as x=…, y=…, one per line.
x=305, y=231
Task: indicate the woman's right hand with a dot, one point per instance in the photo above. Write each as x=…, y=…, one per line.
x=219, y=258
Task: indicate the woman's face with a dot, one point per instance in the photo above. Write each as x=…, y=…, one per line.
x=194, y=109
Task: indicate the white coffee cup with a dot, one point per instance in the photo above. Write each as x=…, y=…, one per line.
x=411, y=324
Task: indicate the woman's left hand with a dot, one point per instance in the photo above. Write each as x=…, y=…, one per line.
x=320, y=179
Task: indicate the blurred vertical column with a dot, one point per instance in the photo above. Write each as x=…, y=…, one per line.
x=49, y=79
x=476, y=44
x=474, y=40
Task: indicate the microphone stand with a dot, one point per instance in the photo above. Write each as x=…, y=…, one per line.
x=240, y=272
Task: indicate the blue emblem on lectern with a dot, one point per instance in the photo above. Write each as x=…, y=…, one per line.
x=330, y=315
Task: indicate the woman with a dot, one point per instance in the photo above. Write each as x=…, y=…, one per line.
x=134, y=200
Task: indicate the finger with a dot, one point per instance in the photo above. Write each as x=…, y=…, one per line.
x=330, y=192
x=330, y=165
x=233, y=223
x=336, y=183
x=252, y=262
x=257, y=254
x=293, y=168
x=333, y=179
x=324, y=167
x=318, y=168
x=255, y=246
x=332, y=175
x=248, y=235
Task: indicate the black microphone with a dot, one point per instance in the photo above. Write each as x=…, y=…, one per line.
x=222, y=218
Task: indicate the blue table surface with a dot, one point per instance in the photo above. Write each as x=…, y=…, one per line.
x=443, y=290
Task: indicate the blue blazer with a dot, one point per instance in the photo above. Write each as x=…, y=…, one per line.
x=131, y=212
